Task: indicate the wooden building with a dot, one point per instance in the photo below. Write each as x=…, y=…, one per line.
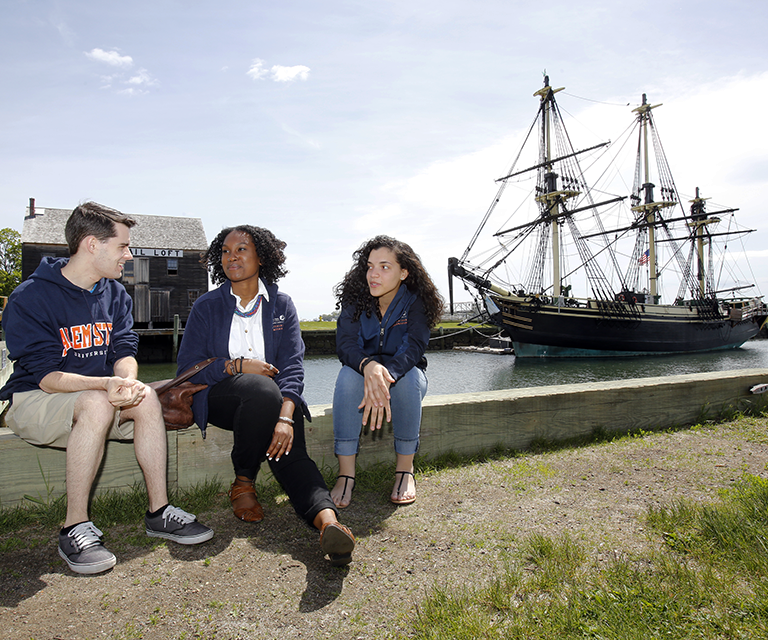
x=165, y=276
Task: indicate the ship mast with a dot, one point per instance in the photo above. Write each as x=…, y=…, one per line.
x=649, y=206
x=551, y=196
x=699, y=222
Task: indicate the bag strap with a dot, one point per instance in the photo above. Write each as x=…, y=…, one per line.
x=185, y=376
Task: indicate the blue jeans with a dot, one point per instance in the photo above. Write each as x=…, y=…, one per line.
x=405, y=401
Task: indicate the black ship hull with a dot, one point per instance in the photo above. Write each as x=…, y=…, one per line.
x=620, y=329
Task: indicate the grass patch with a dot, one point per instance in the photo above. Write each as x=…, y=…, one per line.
x=317, y=325
x=732, y=534
x=37, y=513
x=109, y=508
x=707, y=579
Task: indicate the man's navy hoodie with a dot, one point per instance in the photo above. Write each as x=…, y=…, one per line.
x=51, y=324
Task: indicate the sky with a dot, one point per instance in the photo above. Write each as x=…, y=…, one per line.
x=331, y=122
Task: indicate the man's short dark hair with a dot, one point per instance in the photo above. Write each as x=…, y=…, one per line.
x=93, y=219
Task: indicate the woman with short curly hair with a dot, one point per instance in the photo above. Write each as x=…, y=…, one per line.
x=388, y=306
x=255, y=384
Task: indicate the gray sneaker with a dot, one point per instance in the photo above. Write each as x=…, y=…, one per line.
x=177, y=525
x=82, y=550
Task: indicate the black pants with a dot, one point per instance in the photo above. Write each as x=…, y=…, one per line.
x=249, y=405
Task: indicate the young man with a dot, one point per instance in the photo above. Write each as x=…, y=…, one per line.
x=68, y=331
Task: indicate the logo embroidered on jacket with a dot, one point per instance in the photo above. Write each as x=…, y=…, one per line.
x=278, y=322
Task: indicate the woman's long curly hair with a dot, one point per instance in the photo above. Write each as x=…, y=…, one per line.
x=268, y=248
x=353, y=289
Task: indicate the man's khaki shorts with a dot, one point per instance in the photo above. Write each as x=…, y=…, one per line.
x=46, y=418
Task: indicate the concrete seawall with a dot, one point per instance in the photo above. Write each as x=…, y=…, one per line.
x=157, y=345
x=465, y=423
x=323, y=341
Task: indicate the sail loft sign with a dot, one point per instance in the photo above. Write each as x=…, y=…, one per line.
x=157, y=253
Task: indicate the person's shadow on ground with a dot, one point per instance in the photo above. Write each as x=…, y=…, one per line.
x=283, y=532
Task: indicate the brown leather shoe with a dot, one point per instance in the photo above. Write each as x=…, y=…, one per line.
x=242, y=495
x=337, y=541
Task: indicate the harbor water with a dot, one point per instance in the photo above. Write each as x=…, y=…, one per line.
x=463, y=372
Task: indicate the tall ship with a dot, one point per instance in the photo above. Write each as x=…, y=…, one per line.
x=583, y=270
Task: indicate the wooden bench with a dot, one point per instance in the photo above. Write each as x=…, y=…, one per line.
x=465, y=423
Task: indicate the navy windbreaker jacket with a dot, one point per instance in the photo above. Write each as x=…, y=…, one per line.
x=206, y=335
x=398, y=341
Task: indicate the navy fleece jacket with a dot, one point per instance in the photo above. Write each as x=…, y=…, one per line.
x=52, y=325
x=206, y=335
x=398, y=341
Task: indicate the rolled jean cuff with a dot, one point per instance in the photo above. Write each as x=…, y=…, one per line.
x=406, y=447
x=346, y=447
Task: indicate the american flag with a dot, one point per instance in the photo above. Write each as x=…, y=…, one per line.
x=644, y=258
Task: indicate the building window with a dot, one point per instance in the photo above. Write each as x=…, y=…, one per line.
x=173, y=266
x=128, y=272
x=192, y=295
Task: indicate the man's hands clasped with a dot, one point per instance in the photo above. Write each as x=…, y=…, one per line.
x=125, y=392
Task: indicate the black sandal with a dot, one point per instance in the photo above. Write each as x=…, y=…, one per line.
x=402, y=475
x=344, y=491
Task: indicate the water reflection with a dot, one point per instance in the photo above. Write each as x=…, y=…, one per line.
x=462, y=372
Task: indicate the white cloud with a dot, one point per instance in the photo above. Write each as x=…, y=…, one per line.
x=142, y=77
x=289, y=74
x=257, y=70
x=110, y=57
x=137, y=82
x=278, y=73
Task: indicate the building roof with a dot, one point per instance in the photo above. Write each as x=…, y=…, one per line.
x=150, y=232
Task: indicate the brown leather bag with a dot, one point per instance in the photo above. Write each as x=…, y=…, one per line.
x=176, y=397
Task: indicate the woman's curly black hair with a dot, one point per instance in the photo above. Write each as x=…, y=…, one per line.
x=268, y=248
x=353, y=289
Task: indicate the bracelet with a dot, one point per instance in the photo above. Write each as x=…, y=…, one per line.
x=285, y=419
x=364, y=363
x=232, y=367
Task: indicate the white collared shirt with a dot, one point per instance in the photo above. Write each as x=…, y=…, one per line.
x=246, y=335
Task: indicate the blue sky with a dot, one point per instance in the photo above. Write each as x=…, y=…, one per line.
x=330, y=122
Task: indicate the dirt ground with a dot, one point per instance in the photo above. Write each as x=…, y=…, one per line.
x=270, y=581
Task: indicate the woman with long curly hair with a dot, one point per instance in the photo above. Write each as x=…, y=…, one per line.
x=388, y=306
x=255, y=384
